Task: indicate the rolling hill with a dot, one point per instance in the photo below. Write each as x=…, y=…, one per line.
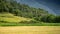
x=10, y=18
x=14, y=12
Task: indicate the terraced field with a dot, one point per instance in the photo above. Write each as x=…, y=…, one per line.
x=30, y=30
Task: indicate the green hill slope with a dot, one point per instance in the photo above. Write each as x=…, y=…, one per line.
x=16, y=12
x=8, y=18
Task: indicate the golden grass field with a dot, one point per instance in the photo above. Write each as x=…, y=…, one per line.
x=30, y=30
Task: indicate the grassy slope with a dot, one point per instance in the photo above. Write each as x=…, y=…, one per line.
x=7, y=17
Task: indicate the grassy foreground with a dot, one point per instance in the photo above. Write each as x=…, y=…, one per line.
x=35, y=24
x=30, y=30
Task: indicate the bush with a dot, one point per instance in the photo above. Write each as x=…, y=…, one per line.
x=49, y=18
x=30, y=22
x=57, y=19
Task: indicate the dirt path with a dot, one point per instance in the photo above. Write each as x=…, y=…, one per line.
x=30, y=30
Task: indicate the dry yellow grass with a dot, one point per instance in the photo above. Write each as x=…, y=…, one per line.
x=30, y=30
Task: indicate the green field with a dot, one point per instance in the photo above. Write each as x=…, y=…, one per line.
x=35, y=24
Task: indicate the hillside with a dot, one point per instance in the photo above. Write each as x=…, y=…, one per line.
x=20, y=9
x=52, y=6
x=10, y=18
x=13, y=12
